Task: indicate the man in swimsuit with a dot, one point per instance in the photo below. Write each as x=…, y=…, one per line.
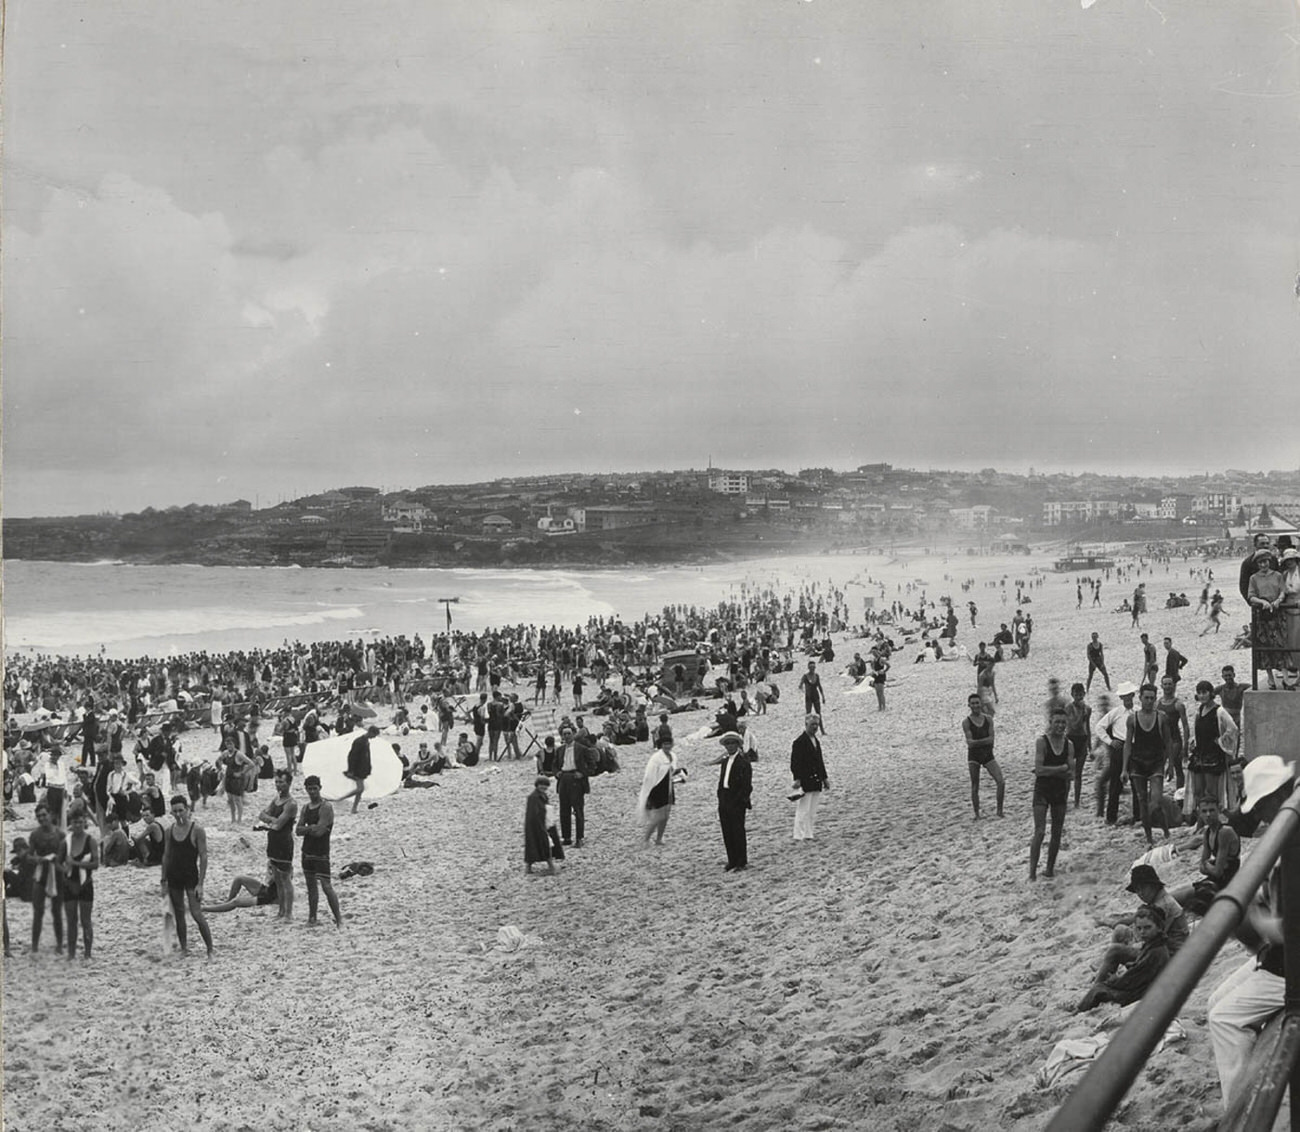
x=1053, y=771
x=46, y=880
x=184, y=868
x=1220, y=858
x=1150, y=668
x=1097, y=661
x=78, y=859
x=811, y=683
x=1146, y=754
x=315, y=824
x=1078, y=715
x=1176, y=726
x=277, y=819
x=978, y=730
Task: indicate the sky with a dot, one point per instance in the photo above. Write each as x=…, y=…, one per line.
x=260, y=248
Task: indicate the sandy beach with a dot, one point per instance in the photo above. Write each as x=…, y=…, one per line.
x=900, y=972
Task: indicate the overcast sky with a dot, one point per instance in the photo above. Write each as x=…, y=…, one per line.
x=263, y=247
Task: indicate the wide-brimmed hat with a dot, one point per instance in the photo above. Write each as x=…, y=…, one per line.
x=1127, y=688
x=1290, y=554
x=1143, y=874
x=730, y=737
x=1261, y=776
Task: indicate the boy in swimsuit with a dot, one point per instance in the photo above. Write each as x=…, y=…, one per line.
x=315, y=823
x=1053, y=771
x=1146, y=754
x=184, y=867
x=978, y=730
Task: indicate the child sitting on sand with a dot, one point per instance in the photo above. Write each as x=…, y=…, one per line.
x=1141, y=963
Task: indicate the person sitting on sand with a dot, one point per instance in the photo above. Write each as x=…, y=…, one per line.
x=1145, y=883
x=1220, y=849
x=1142, y=958
x=149, y=845
x=116, y=848
x=248, y=892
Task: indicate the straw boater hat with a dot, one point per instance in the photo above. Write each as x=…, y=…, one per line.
x=1261, y=776
x=724, y=739
x=1128, y=688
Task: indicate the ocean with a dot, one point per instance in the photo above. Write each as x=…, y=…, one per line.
x=129, y=611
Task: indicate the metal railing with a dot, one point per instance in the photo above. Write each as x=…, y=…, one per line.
x=1092, y=1102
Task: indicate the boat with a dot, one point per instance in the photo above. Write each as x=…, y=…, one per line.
x=1080, y=559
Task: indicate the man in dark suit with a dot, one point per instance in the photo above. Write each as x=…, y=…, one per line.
x=1175, y=662
x=808, y=770
x=735, y=785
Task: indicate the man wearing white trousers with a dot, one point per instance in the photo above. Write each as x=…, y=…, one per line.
x=1243, y=1003
x=810, y=779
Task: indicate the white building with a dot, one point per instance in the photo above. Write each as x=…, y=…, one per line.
x=1057, y=513
x=552, y=525
x=729, y=483
x=972, y=518
x=404, y=512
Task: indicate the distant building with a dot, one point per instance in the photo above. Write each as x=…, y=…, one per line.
x=404, y=511
x=1064, y=513
x=313, y=520
x=1223, y=503
x=554, y=525
x=729, y=483
x=497, y=525
x=972, y=518
x=1175, y=507
x=611, y=518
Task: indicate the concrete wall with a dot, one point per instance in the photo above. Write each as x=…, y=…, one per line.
x=1270, y=724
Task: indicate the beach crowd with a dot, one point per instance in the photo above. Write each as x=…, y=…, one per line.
x=107, y=750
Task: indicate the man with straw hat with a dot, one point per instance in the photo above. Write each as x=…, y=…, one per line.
x=735, y=785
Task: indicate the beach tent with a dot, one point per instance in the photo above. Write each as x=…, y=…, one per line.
x=328, y=758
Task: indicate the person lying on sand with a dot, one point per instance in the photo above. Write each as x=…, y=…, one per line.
x=248, y=892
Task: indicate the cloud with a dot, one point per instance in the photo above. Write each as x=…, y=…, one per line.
x=797, y=236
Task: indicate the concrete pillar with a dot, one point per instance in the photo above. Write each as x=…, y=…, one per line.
x=1270, y=724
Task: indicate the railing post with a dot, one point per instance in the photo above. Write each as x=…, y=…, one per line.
x=1254, y=650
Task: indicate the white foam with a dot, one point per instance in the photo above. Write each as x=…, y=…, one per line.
x=63, y=630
